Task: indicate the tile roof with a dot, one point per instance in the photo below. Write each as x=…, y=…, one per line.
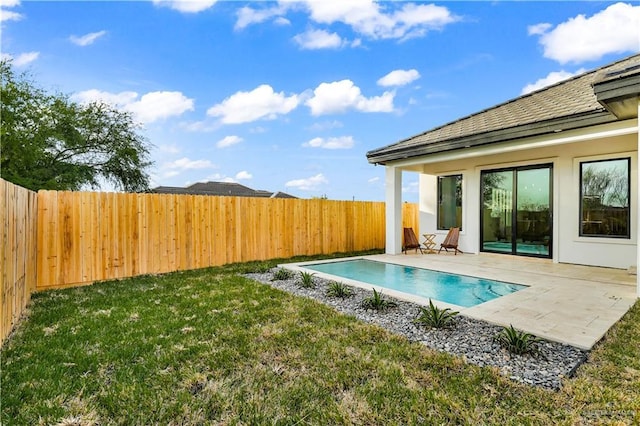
x=569, y=100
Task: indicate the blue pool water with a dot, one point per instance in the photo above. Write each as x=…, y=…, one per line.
x=456, y=289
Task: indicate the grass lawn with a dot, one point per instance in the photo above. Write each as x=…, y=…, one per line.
x=212, y=347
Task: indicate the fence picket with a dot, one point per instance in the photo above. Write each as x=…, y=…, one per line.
x=56, y=239
x=18, y=252
x=96, y=236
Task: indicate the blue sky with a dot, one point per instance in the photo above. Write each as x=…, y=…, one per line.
x=289, y=96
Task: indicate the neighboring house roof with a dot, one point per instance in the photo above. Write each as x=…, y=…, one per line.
x=223, y=188
x=280, y=194
x=569, y=104
x=220, y=189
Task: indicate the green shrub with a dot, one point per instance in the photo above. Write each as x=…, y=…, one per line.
x=516, y=341
x=338, y=289
x=282, y=274
x=306, y=280
x=377, y=302
x=435, y=317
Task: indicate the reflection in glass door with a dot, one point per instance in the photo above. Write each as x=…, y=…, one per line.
x=497, y=211
x=516, y=211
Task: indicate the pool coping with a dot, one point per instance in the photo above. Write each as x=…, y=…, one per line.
x=571, y=304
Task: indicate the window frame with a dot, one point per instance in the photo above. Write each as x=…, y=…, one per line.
x=439, y=199
x=581, y=232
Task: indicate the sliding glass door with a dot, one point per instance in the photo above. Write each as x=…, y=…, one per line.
x=516, y=210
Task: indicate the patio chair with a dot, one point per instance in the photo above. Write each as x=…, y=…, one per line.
x=451, y=241
x=411, y=241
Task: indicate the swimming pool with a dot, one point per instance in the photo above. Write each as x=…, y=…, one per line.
x=456, y=289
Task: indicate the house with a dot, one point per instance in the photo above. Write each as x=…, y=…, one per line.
x=550, y=174
x=220, y=188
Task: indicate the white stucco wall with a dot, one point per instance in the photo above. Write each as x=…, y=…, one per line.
x=427, y=187
x=468, y=240
x=610, y=252
x=567, y=246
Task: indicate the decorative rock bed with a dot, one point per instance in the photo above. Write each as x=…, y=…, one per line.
x=471, y=339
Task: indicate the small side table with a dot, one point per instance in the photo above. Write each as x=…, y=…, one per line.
x=429, y=243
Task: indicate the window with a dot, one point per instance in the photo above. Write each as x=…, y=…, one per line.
x=449, y=202
x=604, y=198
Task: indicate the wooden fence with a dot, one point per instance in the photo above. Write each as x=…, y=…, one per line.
x=61, y=239
x=18, y=218
x=90, y=236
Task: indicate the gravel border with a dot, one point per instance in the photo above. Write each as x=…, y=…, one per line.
x=471, y=339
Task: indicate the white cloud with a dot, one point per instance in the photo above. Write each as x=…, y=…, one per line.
x=342, y=142
x=216, y=177
x=308, y=184
x=150, y=107
x=399, y=78
x=580, y=39
x=22, y=59
x=249, y=16
x=369, y=19
x=244, y=175
x=9, y=15
x=159, y=105
x=538, y=29
x=260, y=103
x=174, y=168
x=373, y=179
x=186, y=6
x=417, y=20
x=366, y=17
x=281, y=21
x=187, y=164
x=220, y=178
x=228, y=141
x=341, y=96
x=25, y=58
x=318, y=39
x=552, y=78
x=87, y=39
x=95, y=95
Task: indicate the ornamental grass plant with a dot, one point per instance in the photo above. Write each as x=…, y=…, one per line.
x=435, y=317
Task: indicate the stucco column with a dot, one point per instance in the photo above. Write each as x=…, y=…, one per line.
x=638, y=215
x=393, y=193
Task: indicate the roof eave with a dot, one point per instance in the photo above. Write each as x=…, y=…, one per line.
x=593, y=118
x=620, y=96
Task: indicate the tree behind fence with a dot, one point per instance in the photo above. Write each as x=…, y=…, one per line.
x=90, y=236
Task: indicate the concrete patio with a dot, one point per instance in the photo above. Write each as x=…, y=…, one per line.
x=572, y=304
